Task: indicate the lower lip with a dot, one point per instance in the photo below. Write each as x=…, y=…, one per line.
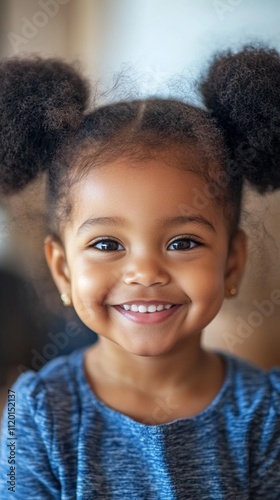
x=148, y=318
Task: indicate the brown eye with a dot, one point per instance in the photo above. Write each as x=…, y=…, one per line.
x=108, y=246
x=183, y=244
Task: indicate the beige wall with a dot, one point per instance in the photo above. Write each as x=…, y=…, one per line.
x=67, y=28
x=248, y=325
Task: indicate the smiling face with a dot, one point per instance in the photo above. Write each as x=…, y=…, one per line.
x=144, y=268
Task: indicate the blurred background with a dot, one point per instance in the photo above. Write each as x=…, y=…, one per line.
x=150, y=47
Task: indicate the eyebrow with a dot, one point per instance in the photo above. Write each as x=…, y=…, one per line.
x=187, y=219
x=121, y=222
x=101, y=221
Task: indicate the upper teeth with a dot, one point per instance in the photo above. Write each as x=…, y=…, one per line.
x=144, y=309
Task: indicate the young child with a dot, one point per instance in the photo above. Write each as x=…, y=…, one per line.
x=146, y=412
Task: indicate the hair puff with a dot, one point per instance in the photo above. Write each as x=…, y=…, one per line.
x=242, y=92
x=41, y=100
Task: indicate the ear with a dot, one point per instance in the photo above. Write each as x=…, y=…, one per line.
x=236, y=262
x=57, y=263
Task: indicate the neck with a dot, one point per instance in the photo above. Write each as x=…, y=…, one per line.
x=180, y=369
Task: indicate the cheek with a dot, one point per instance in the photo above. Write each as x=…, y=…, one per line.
x=89, y=287
x=204, y=285
x=203, y=281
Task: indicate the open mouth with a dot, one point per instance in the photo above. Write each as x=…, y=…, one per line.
x=147, y=313
x=151, y=308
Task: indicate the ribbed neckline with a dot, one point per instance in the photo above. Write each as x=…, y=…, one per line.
x=78, y=358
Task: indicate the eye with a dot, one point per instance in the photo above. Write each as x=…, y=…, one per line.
x=183, y=244
x=107, y=245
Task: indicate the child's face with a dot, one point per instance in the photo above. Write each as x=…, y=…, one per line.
x=136, y=237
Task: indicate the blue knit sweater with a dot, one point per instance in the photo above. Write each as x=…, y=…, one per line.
x=67, y=444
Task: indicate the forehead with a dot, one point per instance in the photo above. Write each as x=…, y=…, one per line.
x=148, y=187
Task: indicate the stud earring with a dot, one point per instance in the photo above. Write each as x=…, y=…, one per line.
x=66, y=299
x=233, y=290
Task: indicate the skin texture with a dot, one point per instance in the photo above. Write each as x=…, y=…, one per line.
x=164, y=358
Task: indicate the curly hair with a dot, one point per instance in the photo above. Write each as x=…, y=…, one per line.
x=242, y=92
x=44, y=126
x=41, y=101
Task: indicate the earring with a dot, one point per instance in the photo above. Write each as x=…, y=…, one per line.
x=233, y=290
x=66, y=299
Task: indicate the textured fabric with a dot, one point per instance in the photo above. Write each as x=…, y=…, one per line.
x=70, y=445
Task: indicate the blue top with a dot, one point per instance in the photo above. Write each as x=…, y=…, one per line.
x=68, y=444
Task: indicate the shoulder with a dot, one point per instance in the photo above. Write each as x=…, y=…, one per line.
x=256, y=403
x=251, y=416
x=251, y=408
x=252, y=388
x=42, y=417
x=56, y=383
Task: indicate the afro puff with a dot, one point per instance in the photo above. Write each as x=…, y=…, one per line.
x=40, y=102
x=242, y=91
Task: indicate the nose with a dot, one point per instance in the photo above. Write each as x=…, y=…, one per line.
x=146, y=272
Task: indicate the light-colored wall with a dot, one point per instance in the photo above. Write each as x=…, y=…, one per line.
x=158, y=41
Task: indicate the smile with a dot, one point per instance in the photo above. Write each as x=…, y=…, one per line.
x=147, y=313
x=146, y=309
